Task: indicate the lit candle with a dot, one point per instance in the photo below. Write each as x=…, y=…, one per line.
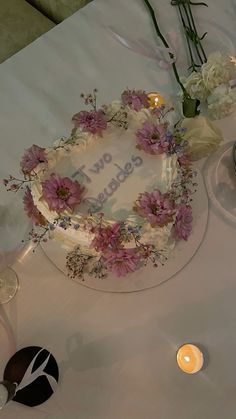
x=155, y=100
x=232, y=59
x=190, y=359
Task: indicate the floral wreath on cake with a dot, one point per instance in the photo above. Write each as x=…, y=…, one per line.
x=111, y=249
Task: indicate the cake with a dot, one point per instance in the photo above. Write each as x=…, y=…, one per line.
x=116, y=193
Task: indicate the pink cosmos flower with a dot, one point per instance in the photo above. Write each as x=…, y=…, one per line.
x=136, y=99
x=122, y=261
x=32, y=157
x=154, y=139
x=61, y=193
x=92, y=121
x=183, y=223
x=156, y=207
x=31, y=209
x=106, y=237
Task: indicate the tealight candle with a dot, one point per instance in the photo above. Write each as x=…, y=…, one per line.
x=232, y=59
x=155, y=99
x=190, y=359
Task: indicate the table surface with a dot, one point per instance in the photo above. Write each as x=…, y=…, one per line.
x=116, y=352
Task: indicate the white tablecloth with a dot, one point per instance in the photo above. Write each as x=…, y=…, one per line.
x=116, y=352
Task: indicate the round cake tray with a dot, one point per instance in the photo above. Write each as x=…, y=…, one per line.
x=220, y=176
x=146, y=277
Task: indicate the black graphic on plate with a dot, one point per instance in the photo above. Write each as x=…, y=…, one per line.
x=39, y=390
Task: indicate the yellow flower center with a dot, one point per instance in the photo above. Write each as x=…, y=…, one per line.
x=63, y=193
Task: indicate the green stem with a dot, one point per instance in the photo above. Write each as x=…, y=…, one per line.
x=152, y=13
x=195, y=30
x=193, y=65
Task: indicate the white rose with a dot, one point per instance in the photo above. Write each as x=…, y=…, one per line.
x=217, y=70
x=202, y=135
x=221, y=102
x=195, y=86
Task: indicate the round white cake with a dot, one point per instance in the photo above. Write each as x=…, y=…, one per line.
x=117, y=192
x=113, y=172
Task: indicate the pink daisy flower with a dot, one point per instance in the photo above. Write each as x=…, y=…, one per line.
x=106, y=237
x=183, y=223
x=61, y=193
x=92, y=121
x=136, y=99
x=154, y=139
x=31, y=209
x=156, y=207
x=32, y=157
x=122, y=261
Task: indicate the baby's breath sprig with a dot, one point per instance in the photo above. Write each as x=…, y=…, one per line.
x=14, y=184
x=90, y=99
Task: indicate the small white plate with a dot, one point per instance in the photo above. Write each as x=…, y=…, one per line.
x=220, y=178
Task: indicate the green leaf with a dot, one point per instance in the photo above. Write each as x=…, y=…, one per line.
x=198, y=4
x=203, y=36
x=193, y=66
x=179, y=2
x=191, y=34
x=190, y=107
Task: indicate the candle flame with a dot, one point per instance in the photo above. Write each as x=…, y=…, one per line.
x=232, y=59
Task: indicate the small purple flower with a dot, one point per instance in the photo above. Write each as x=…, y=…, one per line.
x=122, y=261
x=61, y=193
x=156, y=207
x=136, y=99
x=185, y=160
x=31, y=209
x=32, y=157
x=106, y=237
x=183, y=223
x=153, y=138
x=92, y=121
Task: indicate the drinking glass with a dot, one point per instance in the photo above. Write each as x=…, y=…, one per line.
x=14, y=229
x=7, y=392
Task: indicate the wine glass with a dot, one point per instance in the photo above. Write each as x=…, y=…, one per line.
x=14, y=229
x=7, y=392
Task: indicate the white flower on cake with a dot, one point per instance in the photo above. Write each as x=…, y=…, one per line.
x=202, y=135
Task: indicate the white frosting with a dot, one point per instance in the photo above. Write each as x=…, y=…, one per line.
x=114, y=170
